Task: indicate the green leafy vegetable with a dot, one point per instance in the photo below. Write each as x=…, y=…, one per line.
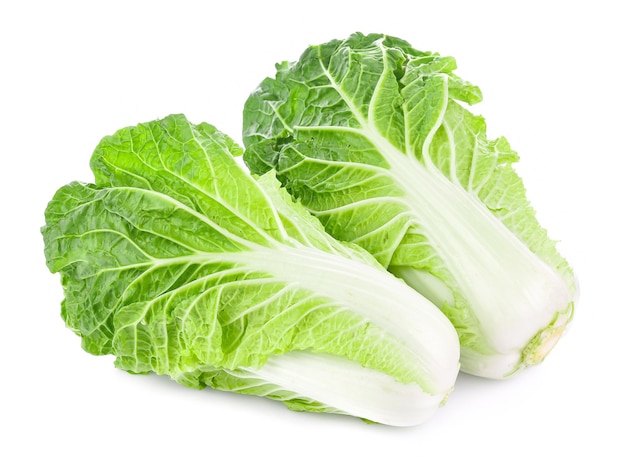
x=178, y=262
x=374, y=138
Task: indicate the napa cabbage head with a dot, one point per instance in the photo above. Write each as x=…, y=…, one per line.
x=178, y=262
x=376, y=139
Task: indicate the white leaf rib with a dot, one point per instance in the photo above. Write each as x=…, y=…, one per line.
x=452, y=152
x=357, y=204
x=183, y=207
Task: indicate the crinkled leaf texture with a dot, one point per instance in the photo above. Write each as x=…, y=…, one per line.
x=178, y=262
x=375, y=138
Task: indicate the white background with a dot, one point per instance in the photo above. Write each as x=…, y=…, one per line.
x=552, y=75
